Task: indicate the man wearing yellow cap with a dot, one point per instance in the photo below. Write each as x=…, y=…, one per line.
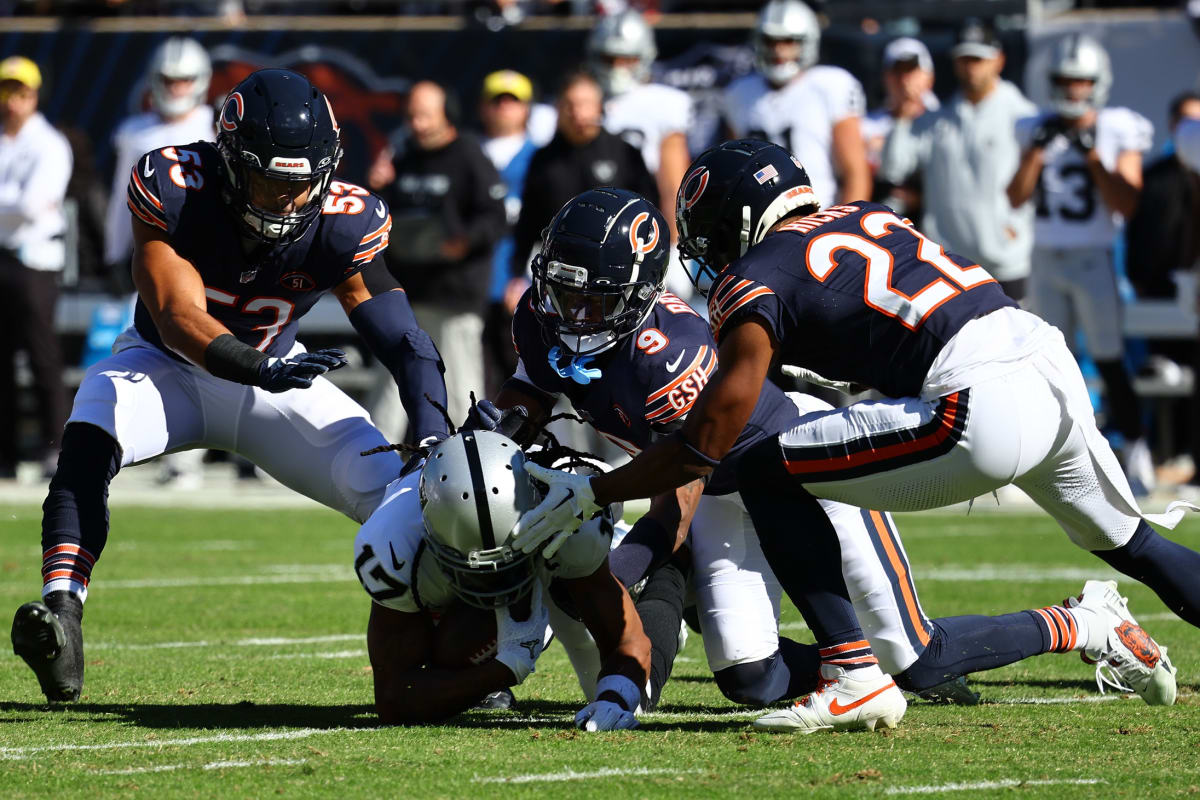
x=35, y=165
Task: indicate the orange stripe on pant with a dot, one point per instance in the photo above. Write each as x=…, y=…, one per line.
x=906, y=589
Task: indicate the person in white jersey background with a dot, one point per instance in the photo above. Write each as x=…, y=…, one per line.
x=1082, y=167
x=811, y=109
x=178, y=78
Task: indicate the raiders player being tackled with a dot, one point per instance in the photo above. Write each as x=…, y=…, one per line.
x=442, y=539
x=233, y=243
x=976, y=394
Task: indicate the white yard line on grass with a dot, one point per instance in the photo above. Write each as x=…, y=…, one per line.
x=329, y=654
x=20, y=753
x=268, y=762
x=273, y=641
x=282, y=573
x=571, y=775
x=1002, y=784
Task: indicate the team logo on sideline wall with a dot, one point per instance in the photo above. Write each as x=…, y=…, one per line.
x=693, y=187
x=635, y=241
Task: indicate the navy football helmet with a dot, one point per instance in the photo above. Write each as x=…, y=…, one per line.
x=601, y=270
x=280, y=143
x=731, y=196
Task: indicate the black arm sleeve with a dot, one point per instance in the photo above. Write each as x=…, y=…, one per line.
x=386, y=323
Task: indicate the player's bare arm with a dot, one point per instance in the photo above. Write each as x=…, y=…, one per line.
x=850, y=161
x=173, y=293
x=711, y=429
x=1120, y=188
x=607, y=611
x=1024, y=181
x=673, y=163
x=408, y=692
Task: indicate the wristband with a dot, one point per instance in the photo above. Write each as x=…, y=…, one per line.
x=226, y=357
x=691, y=448
x=628, y=692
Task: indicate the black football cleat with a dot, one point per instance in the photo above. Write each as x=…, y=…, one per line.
x=502, y=700
x=49, y=637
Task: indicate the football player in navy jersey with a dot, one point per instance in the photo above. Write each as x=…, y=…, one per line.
x=977, y=394
x=598, y=327
x=233, y=244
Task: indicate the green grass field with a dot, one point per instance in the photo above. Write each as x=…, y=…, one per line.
x=226, y=657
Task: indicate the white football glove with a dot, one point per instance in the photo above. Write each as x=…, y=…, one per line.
x=604, y=715
x=519, y=642
x=569, y=501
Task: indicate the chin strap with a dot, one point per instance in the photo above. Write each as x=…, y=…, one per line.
x=577, y=368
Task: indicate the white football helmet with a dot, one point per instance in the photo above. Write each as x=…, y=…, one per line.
x=786, y=19
x=1080, y=56
x=179, y=58
x=473, y=489
x=624, y=35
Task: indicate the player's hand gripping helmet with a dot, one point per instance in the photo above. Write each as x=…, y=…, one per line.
x=280, y=143
x=731, y=196
x=473, y=489
x=179, y=59
x=788, y=21
x=601, y=269
x=1079, y=57
x=621, y=36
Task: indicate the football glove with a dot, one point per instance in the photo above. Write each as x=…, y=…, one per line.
x=568, y=502
x=519, y=642
x=1083, y=138
x=603, y=715
x=1045, y=133
x=298, y=371
x=482, y=416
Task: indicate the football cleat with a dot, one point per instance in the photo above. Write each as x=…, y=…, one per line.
x=49, y=637
x=502, y=700
x=1129, y=660
x=842, y=701
x=953, y=692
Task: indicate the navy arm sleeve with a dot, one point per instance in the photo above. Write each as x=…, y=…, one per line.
x=386, y=323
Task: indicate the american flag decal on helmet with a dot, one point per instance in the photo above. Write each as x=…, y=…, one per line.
x=766, y=173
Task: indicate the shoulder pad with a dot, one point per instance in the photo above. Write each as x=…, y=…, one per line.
x=584, y=551
x=386, y=546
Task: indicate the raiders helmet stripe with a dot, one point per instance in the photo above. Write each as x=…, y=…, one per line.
x=486, y=535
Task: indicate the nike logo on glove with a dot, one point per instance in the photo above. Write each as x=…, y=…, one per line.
x=673, y=365
x=837, y=709
x=396, y=565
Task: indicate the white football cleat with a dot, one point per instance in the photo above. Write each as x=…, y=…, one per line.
x=1129, y=660
x=842, y=701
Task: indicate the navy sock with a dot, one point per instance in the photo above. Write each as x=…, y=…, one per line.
x=75, y=513
x=647, y=544
x=962, y=645
x=1170, y=569
x=802, y=547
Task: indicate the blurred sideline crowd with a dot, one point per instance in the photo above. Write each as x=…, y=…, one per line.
x=1065, y=205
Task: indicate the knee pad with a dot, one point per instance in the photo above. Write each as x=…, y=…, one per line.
x=755, y=683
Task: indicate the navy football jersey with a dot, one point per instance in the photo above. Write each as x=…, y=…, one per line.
x=259, y=295
x=650, y=381
x=855, y=293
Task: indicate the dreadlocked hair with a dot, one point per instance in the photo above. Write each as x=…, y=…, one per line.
x=416, y=449
x=553, y=451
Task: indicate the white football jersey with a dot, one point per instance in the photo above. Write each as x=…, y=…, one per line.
x=133, y=138
x=1069, y=210
x=799, y=116
x=397, y=570
x=647, y=114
